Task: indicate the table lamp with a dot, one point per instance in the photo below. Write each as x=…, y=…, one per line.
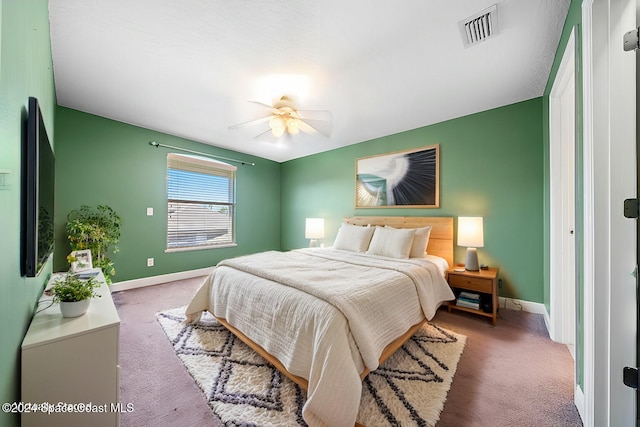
x=314, y=229
x=470, y=234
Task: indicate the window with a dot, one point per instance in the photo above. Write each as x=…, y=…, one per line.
x=200, y=203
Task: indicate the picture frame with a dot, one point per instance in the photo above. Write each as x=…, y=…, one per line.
x=400, y=179
x=83, y=261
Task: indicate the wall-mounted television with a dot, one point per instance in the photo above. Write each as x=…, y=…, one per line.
x=38, y=177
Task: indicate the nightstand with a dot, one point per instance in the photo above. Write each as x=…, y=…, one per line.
x=483, y=282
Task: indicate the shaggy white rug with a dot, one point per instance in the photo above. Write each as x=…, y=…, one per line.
x=243, y=389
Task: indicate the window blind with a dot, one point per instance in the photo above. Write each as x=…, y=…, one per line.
x=200, y=202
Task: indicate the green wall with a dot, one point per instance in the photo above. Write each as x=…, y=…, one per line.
x=490, y=165
x=101, y=161
x=573, y=20
x=493, y=164
x=25, y=70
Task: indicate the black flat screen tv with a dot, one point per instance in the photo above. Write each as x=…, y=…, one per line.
x=38, y=178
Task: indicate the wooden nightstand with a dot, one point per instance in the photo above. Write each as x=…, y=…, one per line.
x=484, y=282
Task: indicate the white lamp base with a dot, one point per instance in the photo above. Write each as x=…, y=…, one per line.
x=313, y=243
x=471, y=263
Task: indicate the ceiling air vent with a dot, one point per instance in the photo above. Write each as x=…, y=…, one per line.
x=479, y=27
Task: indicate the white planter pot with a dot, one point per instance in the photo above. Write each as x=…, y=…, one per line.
x=75, y=308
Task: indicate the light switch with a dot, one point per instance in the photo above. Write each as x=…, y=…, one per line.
x=149, y=211
x=4, y=179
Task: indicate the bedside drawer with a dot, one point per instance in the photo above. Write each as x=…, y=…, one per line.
x=471, y=283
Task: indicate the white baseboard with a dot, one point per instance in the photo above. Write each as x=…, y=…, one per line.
x=578, y=400
x=547, y=321
x=157, y=280
x=528, y=306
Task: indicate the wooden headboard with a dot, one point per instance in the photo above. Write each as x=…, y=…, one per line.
x=440, y=239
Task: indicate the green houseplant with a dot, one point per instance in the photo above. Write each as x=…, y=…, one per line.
x=97, y=229
x=74, y=294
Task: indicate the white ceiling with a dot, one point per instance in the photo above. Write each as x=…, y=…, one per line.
x=188, y=68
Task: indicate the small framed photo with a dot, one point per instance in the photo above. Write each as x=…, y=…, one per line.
x=82, y=262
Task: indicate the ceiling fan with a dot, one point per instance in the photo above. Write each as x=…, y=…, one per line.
x=284, y=118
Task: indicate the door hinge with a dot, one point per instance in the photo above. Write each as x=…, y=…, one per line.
x=632, y=208
x=631, y=40
x=630, y=377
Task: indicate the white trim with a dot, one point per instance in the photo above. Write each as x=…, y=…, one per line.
x=578, y=400
x=622, y=231
x=200, y=248
x=518, y=304
x=611, y=289
x=587, y=404
x=562, y=122
x=179, y=161
x=158, y=280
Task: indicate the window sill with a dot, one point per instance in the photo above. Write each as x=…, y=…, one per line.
x=199, y=248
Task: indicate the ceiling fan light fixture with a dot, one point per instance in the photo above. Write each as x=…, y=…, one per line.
x=293, y=126
x=277, y=126
x=284, y=118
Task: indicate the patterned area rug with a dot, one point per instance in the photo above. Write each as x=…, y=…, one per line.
x=409, y=389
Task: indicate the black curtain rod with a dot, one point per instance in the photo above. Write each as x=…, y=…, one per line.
x=155, y=144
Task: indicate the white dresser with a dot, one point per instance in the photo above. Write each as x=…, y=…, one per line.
x=73, y=361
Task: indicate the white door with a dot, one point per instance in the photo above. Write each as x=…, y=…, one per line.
x=610, y=305
x=562, y=146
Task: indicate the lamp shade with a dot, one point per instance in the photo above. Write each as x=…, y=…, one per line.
x=470, y=233
x=314, y=228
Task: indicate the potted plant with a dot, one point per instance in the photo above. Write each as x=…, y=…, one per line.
x=74, y=294
x=97, y=229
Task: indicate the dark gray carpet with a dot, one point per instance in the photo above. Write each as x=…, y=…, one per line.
x=508, y=375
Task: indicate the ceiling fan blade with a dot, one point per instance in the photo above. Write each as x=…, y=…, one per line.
x=268, y=136
x=304, y=127
x=262, y=134
x=322, y=115
x=270, y=107
x=321, y=126
x=251, y=122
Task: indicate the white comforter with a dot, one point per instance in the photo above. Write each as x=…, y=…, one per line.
x=335, y=315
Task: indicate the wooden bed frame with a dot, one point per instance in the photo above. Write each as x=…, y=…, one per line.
x=440, y=239
x=440, y=244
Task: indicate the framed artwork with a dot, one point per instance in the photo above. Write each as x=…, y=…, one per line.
x=402, y=179
x=83, y=261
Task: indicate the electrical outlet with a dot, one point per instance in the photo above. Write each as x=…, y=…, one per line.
x=149, y=262
x=149, y=211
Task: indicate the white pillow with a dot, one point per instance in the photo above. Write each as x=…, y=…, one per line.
x=353, y=238
x=420, y=241
x=391, y=242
